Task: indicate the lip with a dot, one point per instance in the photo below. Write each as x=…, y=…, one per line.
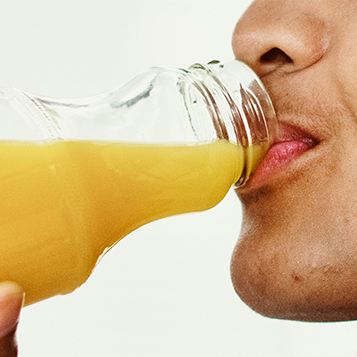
x=292, y=144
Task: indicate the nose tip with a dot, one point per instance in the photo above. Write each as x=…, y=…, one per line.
x=275, y=35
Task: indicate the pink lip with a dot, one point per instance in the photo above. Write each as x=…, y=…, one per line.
x=291, y=144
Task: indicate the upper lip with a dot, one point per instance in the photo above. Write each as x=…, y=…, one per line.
x=290, y=132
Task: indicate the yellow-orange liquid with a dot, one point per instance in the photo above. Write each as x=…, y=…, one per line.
x=64, y=203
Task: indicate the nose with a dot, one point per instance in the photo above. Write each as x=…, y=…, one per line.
x=280, y=35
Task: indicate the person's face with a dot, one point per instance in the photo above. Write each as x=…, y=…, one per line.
x=296, y=257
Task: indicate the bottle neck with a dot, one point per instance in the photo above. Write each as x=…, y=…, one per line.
x=239, y=108
x=166, y=105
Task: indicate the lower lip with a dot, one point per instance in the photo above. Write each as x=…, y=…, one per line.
x=280, y=156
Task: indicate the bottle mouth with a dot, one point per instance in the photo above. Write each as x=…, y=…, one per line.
x=241, y=109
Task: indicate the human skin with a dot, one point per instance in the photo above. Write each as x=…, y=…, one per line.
x=11, y=301
x=296, y=257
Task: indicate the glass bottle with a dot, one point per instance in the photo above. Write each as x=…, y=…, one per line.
x=79, y=175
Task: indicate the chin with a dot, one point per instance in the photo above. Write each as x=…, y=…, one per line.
x=294, y=281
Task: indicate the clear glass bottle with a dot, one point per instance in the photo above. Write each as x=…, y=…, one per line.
x=79, y=175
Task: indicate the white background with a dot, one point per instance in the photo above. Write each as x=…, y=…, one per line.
x=165, y=290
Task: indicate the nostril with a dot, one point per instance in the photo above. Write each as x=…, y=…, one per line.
x=275, y=55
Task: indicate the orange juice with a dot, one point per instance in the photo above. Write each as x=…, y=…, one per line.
x=64, y=203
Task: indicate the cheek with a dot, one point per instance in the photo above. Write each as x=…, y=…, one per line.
x=341, y=71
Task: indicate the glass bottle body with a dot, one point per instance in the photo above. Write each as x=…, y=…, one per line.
x=78, y=176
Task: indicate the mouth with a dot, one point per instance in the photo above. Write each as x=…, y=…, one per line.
x=291, y=144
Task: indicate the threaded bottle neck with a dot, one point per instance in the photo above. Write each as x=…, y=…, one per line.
x=239, y=106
